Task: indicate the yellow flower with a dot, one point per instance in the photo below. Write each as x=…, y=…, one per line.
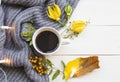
x=78, y=26
x=54, y=12
x=71, y=68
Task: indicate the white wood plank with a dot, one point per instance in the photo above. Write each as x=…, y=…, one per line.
x=100, y=12
x=109, y=69
x=98, y=40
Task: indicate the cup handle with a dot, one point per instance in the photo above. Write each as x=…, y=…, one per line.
x=66, y=41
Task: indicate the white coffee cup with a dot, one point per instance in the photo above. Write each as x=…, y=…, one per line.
x=61, y=41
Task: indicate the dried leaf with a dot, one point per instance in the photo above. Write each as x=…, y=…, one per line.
x=89, y=64
x=81, y=66
x=55, y=74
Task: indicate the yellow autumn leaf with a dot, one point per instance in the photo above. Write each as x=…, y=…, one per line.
x=71, y=67
x=80, y=66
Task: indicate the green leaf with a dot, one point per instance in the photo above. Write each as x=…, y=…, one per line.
x=50, y=72
x=31, y=21
x=30, y=34
x=65, y=36
x=25, y=33
x=32, y=30
x=70, y=36
x=29, y=26
x=49, y=63
x=29, y=39
x=63, y=69
x=63, y=76
x=68, y=30
x=55, y=74
x=63, y=64
x=30, y=43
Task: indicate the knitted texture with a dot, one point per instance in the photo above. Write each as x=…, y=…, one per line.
x=18, y=13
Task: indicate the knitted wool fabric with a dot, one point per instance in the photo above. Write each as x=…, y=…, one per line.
x=18, y=13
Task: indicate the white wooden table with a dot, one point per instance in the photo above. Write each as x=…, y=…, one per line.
x=109, y=70
x=101, y=37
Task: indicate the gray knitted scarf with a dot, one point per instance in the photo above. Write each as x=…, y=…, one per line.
x=19, y=13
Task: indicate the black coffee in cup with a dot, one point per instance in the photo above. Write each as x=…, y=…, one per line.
x=47, y=41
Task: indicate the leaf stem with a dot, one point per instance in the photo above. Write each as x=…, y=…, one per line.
x=67, y=19
x=61, y=23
